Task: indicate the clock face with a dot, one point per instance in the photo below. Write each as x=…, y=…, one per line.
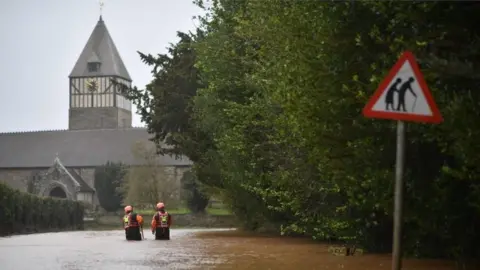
x=92, y=85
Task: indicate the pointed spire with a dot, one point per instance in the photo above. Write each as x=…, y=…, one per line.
x=100, y=48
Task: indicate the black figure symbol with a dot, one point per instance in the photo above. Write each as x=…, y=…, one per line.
x=390, y=93
x=401, y=94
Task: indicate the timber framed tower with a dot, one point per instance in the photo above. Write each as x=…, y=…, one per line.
x=95, y=101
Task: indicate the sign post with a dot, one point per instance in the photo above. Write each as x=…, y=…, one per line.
x=403, y=96
x=398, y=201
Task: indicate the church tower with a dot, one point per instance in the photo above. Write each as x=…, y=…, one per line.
x=96, y=102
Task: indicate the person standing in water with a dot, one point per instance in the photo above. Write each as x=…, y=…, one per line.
x=132, y=223
x=161, y=223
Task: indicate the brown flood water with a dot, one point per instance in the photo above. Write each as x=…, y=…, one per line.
x=246, y=251
x=188, y=249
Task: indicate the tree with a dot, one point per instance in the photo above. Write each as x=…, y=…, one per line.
x=166, y=106
x=276, y=125
x=283, y=106
x=108, y=179
x=151, y=182
x=196, y=200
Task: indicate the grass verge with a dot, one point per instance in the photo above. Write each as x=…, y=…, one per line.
x=182, y=211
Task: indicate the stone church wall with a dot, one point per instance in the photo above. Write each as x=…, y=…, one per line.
x=124, y=118
x=24, y=179
x=92, y=118
x=179, y=172
x=16, y=178
x=21, y=178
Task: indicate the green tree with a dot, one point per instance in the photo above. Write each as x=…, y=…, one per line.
x=165, y=105
x=317, y=70
x=274, y=118
x=108, y=178
x=196, y=200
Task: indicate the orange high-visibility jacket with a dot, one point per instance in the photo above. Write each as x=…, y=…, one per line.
x=156, y=223
x=128, y=223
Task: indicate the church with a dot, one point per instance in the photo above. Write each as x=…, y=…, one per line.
x=61, y=163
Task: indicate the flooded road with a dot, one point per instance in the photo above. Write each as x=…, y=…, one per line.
x=105, y=250
x=188, y=249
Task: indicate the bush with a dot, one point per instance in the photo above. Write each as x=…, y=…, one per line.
x=25, y=213
x=107, y=181
x=196, y=200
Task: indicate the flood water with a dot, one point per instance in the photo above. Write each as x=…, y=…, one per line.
x=242, y=251
x=188, y=249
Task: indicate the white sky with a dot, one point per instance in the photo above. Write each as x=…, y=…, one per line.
x=40, y=42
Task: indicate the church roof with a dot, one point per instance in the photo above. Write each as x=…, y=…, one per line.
x=76, y=148
x=78, y=181
x=83, y=186
x=100, y=48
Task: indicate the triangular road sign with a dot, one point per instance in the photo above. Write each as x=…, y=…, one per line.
x=403, y=95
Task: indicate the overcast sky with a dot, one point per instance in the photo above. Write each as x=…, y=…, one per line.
x=40, y=41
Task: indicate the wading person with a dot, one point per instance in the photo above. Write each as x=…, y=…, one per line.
x=161, y=223
x=133, y=224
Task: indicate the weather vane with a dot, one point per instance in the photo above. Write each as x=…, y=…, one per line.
x=101, y=3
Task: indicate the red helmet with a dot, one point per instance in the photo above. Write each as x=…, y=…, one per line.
x=160, y=205
x=128, y=208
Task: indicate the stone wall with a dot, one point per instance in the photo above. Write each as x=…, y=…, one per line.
x=98, y=118
x=174, y=175
x=124, y=118
x=31, y=181
x=17, y=178
x=179, y=172
x=21, y=179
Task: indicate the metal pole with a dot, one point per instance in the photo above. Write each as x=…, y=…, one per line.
x=397, y=214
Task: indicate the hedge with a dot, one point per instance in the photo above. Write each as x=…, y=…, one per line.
x=26, y=213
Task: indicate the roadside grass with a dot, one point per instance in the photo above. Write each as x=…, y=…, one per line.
x=217, y=216
x=214, y=211
x=218, y=211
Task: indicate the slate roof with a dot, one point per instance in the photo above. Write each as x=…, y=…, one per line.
x=100, y=47
x=75, y=148
x=84, y=187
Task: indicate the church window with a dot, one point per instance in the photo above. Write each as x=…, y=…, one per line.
x=93, y=67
